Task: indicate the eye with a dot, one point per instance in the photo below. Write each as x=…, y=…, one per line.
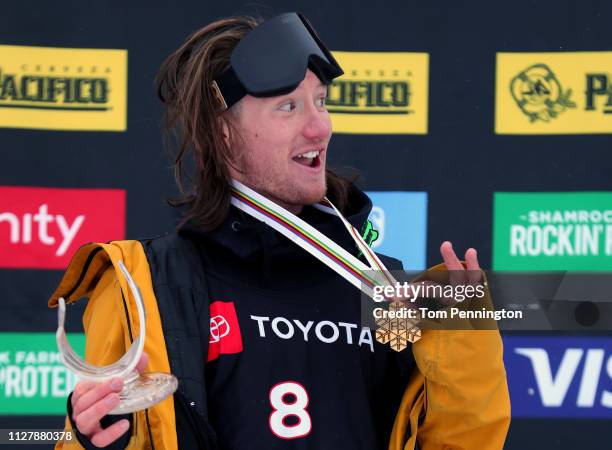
x=321, y=101
x=287, y=107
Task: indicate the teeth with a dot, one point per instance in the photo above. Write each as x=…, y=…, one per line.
x=312, y=154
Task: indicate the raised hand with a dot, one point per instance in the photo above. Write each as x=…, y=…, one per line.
x=458, y=273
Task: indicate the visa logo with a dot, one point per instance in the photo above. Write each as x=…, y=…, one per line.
x=560, y=376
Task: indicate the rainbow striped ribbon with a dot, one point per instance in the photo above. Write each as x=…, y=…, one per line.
x=313, y=241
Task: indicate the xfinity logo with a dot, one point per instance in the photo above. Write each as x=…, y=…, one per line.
x=41, y=228
x=44, y=226
x=563, y=376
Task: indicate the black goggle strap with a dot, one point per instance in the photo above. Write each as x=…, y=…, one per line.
x=228, y=89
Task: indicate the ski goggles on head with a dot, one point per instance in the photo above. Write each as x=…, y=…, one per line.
x=272, y=60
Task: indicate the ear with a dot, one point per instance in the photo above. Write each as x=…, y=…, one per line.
x=226, y=132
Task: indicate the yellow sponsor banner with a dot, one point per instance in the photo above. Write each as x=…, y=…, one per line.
x=553, y=93
x=380, y=93
x=63, y=88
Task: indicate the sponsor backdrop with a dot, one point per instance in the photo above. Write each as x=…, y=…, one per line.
x=484, y=123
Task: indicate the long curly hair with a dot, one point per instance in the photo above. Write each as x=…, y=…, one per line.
x=193, y=123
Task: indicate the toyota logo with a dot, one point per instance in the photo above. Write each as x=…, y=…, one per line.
x=218, y=328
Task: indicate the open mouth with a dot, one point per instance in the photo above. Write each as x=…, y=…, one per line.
x=311, y=158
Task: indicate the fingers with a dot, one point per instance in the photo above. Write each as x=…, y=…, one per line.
x=453, y=264
x=450, y=258
x=88, y=422
x=109, y=435
x=81, y=388
x=471, y=261
x=94, y=394
x=92, y=401
x=142, y=363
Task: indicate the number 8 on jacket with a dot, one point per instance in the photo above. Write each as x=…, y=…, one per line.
x=282, y=409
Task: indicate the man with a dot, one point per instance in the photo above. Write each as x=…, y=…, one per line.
x=265, y=339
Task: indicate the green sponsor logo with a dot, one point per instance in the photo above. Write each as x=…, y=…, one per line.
x=368, y=233
x=33, y=380
x=538, y=93
x=552, y=231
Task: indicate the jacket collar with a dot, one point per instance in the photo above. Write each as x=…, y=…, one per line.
x=245, y=236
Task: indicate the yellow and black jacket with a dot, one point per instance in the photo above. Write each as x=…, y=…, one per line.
x=455, y=396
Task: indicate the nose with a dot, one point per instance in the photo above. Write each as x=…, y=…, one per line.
x=317, y=124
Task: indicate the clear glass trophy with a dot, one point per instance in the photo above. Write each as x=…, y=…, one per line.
x=140, y=391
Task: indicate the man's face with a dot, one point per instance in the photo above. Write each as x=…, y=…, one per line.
x=283, y=144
